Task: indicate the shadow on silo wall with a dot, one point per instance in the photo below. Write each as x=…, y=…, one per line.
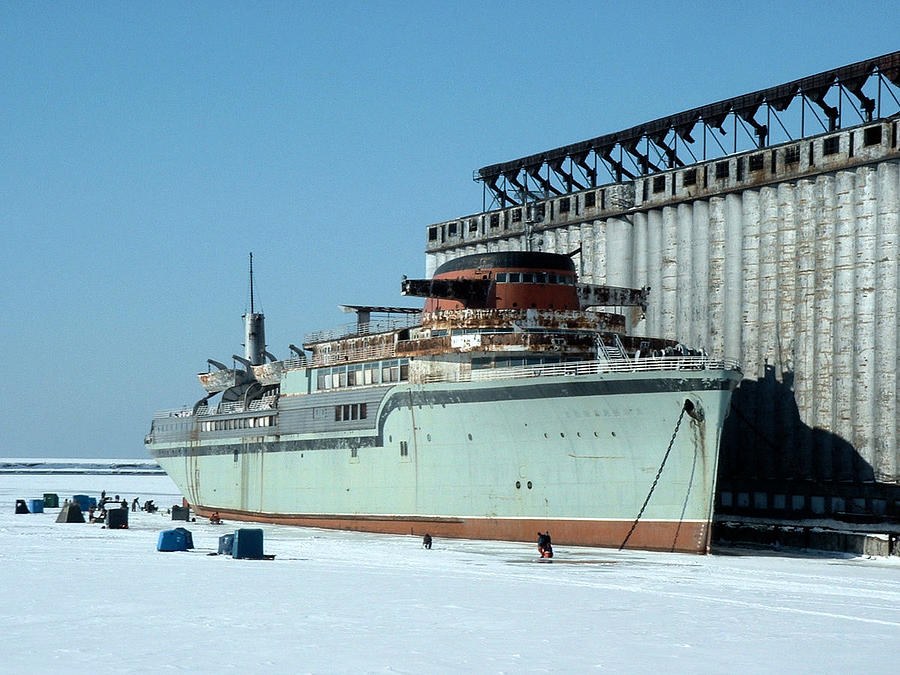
x=772, y=465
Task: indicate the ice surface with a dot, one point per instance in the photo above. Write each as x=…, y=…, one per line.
x=78, y=598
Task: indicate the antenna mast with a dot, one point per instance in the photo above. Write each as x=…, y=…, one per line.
x=251, y=282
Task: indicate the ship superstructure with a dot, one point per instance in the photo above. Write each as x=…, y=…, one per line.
x=516, y=401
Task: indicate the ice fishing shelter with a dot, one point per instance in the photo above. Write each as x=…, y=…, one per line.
x=178, y=539
x=117, y=519
x=21, y=506
x=70, y=513
x=51, y=500
x=36, y=505
x=226, y=544
x=248, y=543
x=84, y=502
x=181, y=513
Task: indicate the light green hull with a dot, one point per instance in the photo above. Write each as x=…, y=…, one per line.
x=495, y=459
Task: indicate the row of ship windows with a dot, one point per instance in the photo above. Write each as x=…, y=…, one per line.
x=350, y=411
x=534, y=278
x=240, y=423
x=361, y=374
x=172, y=427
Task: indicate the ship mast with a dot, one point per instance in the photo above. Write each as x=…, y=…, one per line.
x=251, y=282
x=254, y=329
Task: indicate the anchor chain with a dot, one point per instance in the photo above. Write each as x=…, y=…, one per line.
x=684, y=409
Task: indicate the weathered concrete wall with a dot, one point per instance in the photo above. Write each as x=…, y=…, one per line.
x=791, y=268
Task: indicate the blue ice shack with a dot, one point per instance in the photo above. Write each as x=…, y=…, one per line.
x=248, y=543
x=226, y=544
x=83, y=501
x=173, y=540
x=187, y=536
x=36, y=505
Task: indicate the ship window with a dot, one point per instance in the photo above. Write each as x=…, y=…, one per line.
x=515, y=277
x=721, y=169
x=590, y=199
x=452, y=229
x=501, y=277
x=362, y=411
x=404, y=449
x=792, y=155
x=352, y=378
x=367, y=376
x=432, y=234
x=495, y=220
x=551, y=279
x=342, y=379
x=354, y=411
x=528, y=277
x=659, y=184
x=755, y=162
x=564, y=205
x=517, y=213
x=473, y=225
x=689, y=177
x=404, y=373
x=831, y=145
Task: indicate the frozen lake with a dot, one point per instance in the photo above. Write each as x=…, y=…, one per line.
x=77, y=597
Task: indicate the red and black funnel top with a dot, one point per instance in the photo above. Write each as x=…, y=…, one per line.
x=532, y=260
x=500, y=280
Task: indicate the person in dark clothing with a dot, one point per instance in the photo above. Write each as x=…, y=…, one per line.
x=545, y=547
x=426, y=541
x=134, y=505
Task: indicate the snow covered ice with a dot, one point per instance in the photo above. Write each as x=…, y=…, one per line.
x=76, y=597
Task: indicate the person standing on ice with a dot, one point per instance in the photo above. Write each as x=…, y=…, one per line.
x=545, y=548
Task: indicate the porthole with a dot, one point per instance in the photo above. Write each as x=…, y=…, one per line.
x=470, y=436
x=562, y=435
x=613, y=433
x=578, y=434
x=596, y=435
x=546, y=436
x=518, y=485
x=428, y=437
x=390, y=439
x=529, y=484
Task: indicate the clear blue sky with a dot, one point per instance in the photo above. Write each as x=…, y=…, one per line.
x=146, y=148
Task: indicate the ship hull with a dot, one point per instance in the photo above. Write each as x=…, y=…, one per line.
x=576, y=455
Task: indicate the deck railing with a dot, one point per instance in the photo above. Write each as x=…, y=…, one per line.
x=370, y=328
x=343, y=355
x=649, y=364
x=265, y=403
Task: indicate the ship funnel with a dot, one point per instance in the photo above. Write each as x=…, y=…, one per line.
x=254, y=330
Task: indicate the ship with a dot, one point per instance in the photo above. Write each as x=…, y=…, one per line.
x=515, y=402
